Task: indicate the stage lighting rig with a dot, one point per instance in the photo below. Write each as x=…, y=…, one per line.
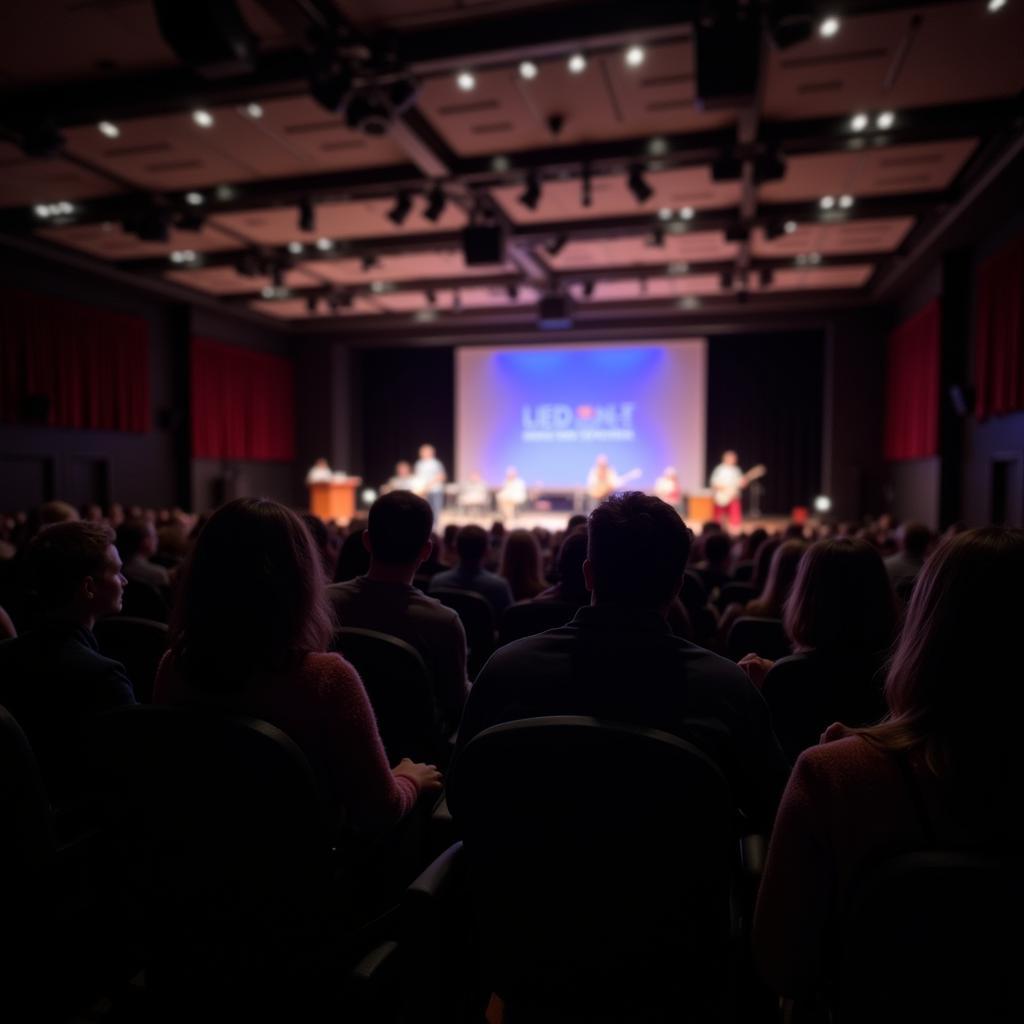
x=307, y=214
x=398, y=213
x=531, y=194
x=436, y=202
x=638, y=184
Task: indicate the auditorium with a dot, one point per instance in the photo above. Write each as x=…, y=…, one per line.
x=511, y=511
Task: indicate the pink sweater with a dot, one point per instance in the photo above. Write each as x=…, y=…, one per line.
x=324, y=709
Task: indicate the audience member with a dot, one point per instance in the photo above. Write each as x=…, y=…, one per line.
x=353, y=558
x=914, y=539
x=137, y=543
x=250, y=634
x=771, y=601
x=521, y=565
x=471, y=546
x=53, y=679
x=398, y=541
x=714, y=570
x=571, y=586
x=618, y=660
x=941, y=772
x=327, y=550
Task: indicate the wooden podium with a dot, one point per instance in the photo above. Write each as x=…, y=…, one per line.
x=334, y=501
x=700, y=506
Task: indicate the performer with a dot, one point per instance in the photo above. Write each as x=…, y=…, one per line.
x=667, y=487
x=401, y=480
x=319, y=473
x=727, y=484
x=512, y=493
x=603, y=480
x=430, y=477
x=474, y=496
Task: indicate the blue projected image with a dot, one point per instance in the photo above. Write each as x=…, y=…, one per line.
x=551, y=411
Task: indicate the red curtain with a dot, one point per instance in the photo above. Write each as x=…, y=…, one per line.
x=999, y=332
x=912, y=387
x=242, y=403
x=75, y=365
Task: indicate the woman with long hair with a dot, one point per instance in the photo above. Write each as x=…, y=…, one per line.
x=250, y=632
x=770, y=602
x=942, y=770
x=521, y=565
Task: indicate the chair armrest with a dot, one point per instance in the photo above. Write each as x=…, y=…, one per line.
x=753, y=850
x=438, y=877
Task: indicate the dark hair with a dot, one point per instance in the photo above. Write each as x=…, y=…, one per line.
x=842, y=600
x=717, y=547
x=62, y=555
x=575, y=522
x=781, y=574
x=752, y=543
x=131, y=535
x=251, y=597
x=637, y=547
x=763, y=561
x=400, y=524
x=915, y=538
x=451, y=531
x=952, y=686
x=353, y=558
x=520, y=564
x=571, y=555
x=471, y=544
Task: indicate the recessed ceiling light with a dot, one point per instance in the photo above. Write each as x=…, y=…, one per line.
x=829, y=26
x=859, y=122
x=995, y=5
x=789, y=227
x=885, y=120
x=324, y=244
x=41, y=210
x=658, y=146
x=109, y=129
x=814, y=258
x=466, y=81
x=577, y=63
x=295, y=248
x=827, y=202
x=268, y=292
x=194, y=198
x=689, y=302
x=635, y=56
x=527, y=69
x=665, y=213
x=686, y=213
x=845, y=202
x=203, y=118
x=182, y=256
x=254, y=110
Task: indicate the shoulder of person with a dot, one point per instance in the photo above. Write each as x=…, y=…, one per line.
x=328, y=672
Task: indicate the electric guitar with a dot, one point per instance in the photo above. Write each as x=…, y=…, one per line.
x=726, y=493
x=601, y=489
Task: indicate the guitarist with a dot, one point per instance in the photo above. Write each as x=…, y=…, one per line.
x=603, y=481
x=727, y=484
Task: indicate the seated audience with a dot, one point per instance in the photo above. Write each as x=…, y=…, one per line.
x=942, y=771
x=250, y=635
x=398, y=540
x=714, y=570
x=914, y=539
x=353, y=558
x=471, y=546
x=521, y=565
x=618, y=660
x=137, y=542
x=769, y=604
x=571, y=586
x=326, y=545
x=841, y=617
x=53, y=679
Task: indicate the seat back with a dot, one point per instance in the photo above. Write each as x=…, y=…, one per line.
x=477, y=620
x=925, y=938
x=142, y=600
x=528, y=618
x=600, y=860
x=138, y=644
x=736, y=593
x=750, y=635
x=399, y=686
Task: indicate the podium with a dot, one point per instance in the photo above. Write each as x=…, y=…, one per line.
x=334, y=501
x=700, y=506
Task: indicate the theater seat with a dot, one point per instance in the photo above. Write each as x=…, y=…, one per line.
x=600, y=864
x=143, y=601
x=735, y=593
x=528, y=618
x=138, y=644
x=764, y=637
x=477, y=619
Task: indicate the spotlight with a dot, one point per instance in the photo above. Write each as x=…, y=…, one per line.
x=635, y=56
x=556, y=245
x=203, y=118
x=41, y=210
x=109, y=129
x=995, y=5
x=577, y=63
x=859, y=122
x=254, y=110
x=182, y=256
x=885, y=120
x=829, y=27
x=814, y=258
x=638, y=185
x=665, y=213
x=827, y=202
x=435, y=204
x=399, y=211
x=822, y=503
x=368, y=113
x=686, y=213
x=845, y=202
x=296, y=248
x=789, y=227
x=307, y=215
x=194, y=198
x=324, y=244
x=368, y=495
x=677, y=268
x=466, y=81
x=531, y=194
x=527, y=69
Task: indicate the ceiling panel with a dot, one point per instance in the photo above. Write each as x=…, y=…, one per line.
x=297, y=309
x=109, y=242
x=637, y=251
x=25, y=181
x=887, y=170
x=853, y=236
x=228, y=281
x=403, y=267
x=813, y=278
x=674, y=189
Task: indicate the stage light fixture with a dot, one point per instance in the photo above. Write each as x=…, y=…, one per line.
x=688, y=302
x=109, y=129
x=150, y=224
x=766, y=276
x=635, y=56
x=577, y=63
x=657, y=238
x=686, y=212
x=466, y=81
x=182, y=256
x=368, y=262
x=527, y=70
x=789, y=227
x=330, y=80
x=398, y=213
x=588, y=289
x=254, y=110
x=665, y=213
x=638, y=184
x=324, y=244
x=307, y=214
x=859, y=122
x=368, y=495
x=814, y=258
x=885, y=120
x=995, y=5
x=194, y=198
x=436, y=201
x=203, y=118
x=556, y=245
x=268, y=292
x=586, y=192
x=827, y=202
x=531, y=194
x=822, y=503
x=41, y=210
x=829, y=27
x=296, y=248
x=431, y=296
x=845, y=202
